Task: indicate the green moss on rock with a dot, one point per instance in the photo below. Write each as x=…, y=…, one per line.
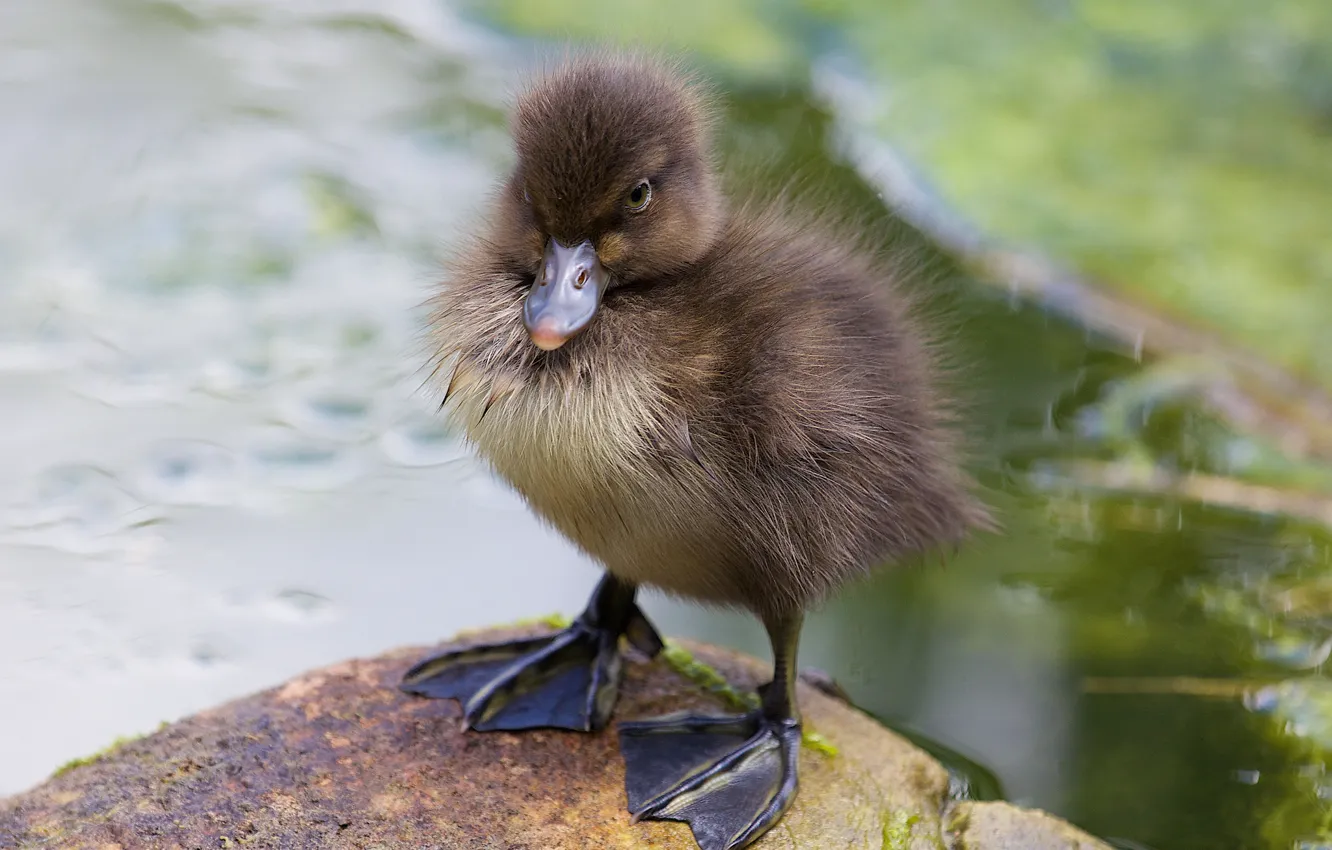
x=84, y=761
x=897, y=830
x=683, y=662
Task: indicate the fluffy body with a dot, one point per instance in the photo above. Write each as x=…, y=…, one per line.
x=751, y=419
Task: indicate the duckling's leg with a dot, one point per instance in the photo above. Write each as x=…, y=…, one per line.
x=730, y=777
x=567, y=680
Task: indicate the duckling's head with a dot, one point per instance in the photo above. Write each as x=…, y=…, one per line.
x=614, y=185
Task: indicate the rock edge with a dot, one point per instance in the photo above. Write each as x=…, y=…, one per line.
x=338, y=757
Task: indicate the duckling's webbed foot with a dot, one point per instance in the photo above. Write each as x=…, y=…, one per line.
x=568, y=680
x=731, y=778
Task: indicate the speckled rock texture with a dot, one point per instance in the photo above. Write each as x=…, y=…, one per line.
x=981, y=826
x=339, y=758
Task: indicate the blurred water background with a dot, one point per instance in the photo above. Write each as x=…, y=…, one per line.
x=218, y=219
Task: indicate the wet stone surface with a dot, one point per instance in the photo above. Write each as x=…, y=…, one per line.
x=340, y=755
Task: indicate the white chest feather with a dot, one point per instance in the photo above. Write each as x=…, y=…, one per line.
x=569, y=446
x=588, y=457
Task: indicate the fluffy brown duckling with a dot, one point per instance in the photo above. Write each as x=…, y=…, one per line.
x=731, y=404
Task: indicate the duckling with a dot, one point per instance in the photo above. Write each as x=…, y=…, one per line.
x=728, y=402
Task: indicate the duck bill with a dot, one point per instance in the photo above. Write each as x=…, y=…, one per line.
x=566, y=294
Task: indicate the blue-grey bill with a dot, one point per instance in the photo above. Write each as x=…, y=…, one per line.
x=566, y=294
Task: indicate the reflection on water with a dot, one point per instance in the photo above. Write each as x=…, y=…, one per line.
x=218, y=220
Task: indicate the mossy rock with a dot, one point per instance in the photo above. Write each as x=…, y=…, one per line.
x=981, y=826
x=339, y=757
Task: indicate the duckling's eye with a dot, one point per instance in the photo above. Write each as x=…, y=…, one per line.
x=638, y=197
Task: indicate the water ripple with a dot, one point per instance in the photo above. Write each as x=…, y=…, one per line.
x=331, y=414
x=82, y=509
x=420, y=439
x=286, y=459
x=189, y=472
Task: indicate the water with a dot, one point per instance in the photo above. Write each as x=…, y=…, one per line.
x=217, y=223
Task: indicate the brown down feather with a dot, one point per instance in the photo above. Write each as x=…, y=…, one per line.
x=752, y=418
